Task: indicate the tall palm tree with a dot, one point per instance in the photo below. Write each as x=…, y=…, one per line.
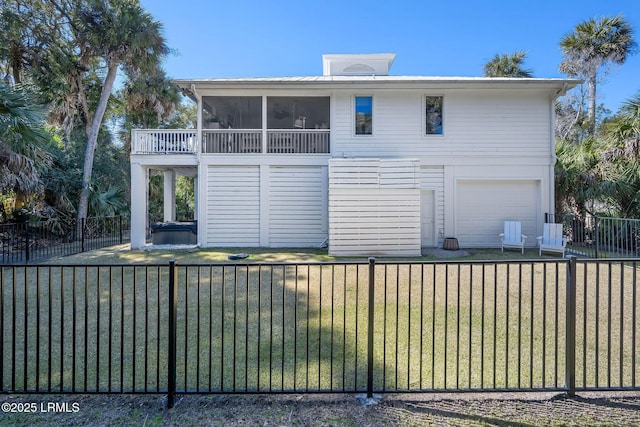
x=121, y=34
x=591, y=46
x=507, y=65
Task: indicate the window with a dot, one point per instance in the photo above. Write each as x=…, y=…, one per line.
x=434, y=115
x=364, y=115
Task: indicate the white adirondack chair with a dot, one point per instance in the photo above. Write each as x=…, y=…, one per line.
x=512, y=236
x=553, y=239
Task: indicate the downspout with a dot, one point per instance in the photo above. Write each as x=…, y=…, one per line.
x=552, y=168
x=552, y=176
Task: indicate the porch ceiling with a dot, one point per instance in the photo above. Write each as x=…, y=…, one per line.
x=189, y=171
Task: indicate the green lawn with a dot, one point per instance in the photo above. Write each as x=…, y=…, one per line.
x=284, y=327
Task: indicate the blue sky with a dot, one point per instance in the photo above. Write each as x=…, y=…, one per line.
x=242, y=38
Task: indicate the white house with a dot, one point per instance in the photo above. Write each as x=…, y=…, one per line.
x=373, y=164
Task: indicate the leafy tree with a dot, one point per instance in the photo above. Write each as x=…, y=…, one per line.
x=121, y=34
x=591, y=48
x=72, y=50
x=507, y=65
x=146, y=104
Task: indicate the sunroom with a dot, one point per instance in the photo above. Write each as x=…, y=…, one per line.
x=247, y=125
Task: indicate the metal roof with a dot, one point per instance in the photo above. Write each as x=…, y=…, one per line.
x=557, y=86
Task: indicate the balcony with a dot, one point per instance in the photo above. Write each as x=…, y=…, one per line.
x=231, y=141
x=164, y=141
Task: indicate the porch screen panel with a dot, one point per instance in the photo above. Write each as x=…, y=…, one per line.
x=301, y=112
x=232, y=112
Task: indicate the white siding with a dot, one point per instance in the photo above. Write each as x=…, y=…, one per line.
x=297, y=206
x=374, y=222
x=478, y=124
x=432, y=178
x=484, y=205
x=374, y=210
x=233, y=206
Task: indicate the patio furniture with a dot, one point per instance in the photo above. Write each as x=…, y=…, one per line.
x=552, y=239
x=512, y=236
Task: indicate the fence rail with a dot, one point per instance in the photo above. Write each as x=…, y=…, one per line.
x=600, y=237
x=377, y=327
x=25, y=242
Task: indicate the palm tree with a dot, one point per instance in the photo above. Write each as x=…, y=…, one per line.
x=593, y=45
x=577, y=176
x=621, y=160
x=507, y=65
x=121, y=34
x=21, y=139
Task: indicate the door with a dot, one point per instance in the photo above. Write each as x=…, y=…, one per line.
x=427, y=218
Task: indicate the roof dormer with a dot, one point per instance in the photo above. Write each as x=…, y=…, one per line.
x=374, y=64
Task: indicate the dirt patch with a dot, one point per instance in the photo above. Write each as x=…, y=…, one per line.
x=619, y=409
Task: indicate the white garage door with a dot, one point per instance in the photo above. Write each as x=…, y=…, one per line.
x=297, y=206
x=483, y=206
x=233, y=206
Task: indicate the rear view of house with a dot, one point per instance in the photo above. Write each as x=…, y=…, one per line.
x=373, y=164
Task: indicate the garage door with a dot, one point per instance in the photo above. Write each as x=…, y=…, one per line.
x=233, y=206
x=483, y=206
x=297, y=206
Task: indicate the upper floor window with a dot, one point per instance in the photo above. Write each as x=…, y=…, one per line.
x=434, y=116
x=364, y=115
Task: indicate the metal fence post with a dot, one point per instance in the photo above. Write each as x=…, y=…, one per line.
x=82, y=225
x=372, y=275
x=26, y=237
x=173, y=309
x=570, y=352
x=120, y=226
x=596, y=232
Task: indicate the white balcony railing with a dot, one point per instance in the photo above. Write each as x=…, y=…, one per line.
x=230, y=141
x=164, y=141
x=298, y=141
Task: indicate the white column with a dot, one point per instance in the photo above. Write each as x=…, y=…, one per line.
x=169, y=195
x=195, y=198
x=139, y=188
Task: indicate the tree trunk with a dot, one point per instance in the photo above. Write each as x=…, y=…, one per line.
x=591, y=86
x=92, y=140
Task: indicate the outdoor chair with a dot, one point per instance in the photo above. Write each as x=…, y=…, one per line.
x=512, y=236
x=553, y=239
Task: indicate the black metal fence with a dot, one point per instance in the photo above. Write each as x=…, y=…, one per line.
x=600, y=237
x=376, y=327
x=25, y=242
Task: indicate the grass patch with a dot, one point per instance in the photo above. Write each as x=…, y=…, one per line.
x=303, y=328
